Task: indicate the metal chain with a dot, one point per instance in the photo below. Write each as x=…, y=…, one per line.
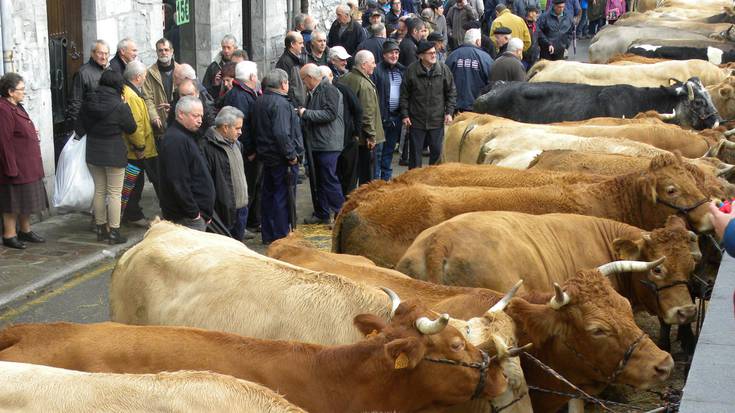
x=601, y=402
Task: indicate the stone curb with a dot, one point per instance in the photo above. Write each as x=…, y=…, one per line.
x=66, y=273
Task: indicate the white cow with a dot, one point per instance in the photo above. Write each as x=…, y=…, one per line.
x=32, y=388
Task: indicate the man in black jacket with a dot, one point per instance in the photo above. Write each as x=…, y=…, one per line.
x=347, y=161
x=127, y=51
x=291, y=60
x=428, y=98
x=186, y=188
x=324, y=131
x=416, y=32
x=346, y=32
x=375, y=43
x=387, y=77
x=279, y=146
x=85, y=81
x=213, y=76
x=224, y=158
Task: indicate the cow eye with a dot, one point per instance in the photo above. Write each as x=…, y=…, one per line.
x=671, y=190
x=698, y=103
x=457, y=345
x=597, y=332
x=658, y=270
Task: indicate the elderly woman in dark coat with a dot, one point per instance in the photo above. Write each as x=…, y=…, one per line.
x=106, y=117
x=21, y=169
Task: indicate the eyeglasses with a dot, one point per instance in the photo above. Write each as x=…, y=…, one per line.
x=19, y=89
x=430, y=53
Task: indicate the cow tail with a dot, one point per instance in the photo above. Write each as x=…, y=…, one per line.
x=539, y=66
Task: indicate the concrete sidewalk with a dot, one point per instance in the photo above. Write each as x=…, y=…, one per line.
x=70, y=247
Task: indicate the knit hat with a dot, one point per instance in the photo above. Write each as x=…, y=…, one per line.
x=559, y=1
x=435, y=37
x=389, y=46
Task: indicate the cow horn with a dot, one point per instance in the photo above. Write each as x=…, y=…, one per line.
x=516, y=351
x=395, y=300
x=501, y=348
x=667, y=116
x=725, y=171
x=500, y=305
x=690, y=91
x=560, y=298
x=730, y=132
x=728, y=144
x=428, y=327
x=616, y=267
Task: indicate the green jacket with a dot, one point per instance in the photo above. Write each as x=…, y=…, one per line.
x=364, y=88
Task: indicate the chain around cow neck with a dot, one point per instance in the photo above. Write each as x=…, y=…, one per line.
x=481, y=366
x=621, y=364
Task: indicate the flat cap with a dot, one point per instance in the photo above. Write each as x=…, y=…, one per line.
x=502, y=30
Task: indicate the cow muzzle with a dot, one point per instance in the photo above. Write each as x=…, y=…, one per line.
x=482, y=366
x=681, y=315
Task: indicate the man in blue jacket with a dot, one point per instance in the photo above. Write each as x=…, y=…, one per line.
x=242, y=96
x=470, y=67
x=279, y=146
x=387, y=77
x=555, y=29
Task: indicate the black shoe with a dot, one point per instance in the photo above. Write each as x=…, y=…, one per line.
x=30, y=236
x=402, y=162
x=316, y=220
x=14, y=242
x=102, y=233
x=115, y=237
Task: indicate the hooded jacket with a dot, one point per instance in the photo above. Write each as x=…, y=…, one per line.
x=106, y=118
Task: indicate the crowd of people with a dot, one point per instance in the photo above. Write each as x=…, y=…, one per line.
x=224, y=152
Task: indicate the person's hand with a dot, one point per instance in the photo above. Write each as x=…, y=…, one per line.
x=551, y=49
x=301, y=111
x=157, y=123
x=407, y=122
x=370, y=143
x=251, y=157
x=447, y=119
x=293, y=161
x=139, y=154
x=217, y=78
x=720, y=219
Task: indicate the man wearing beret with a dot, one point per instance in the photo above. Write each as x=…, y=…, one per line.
x=555, y=29
x=517, y=25
x=427, y=102
x=501, y=37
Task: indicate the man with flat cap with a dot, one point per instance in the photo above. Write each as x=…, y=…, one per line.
x=516, y=25
x=438, y=40
x=388, y=76
x=427, y=102
x=555, y=29
x=500, y=39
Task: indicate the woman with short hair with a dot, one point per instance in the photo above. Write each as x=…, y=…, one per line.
x=22, y=192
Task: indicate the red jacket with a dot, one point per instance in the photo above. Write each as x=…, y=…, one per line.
x=20, y=151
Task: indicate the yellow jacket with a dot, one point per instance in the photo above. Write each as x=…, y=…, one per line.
x=516, y=25
x=143, y=135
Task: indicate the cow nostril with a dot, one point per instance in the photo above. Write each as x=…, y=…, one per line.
x=665, y=367
x=687, y=313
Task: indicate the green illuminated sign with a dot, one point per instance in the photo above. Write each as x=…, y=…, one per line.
x=182, y=12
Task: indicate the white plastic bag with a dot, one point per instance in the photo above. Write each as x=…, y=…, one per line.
x=74, y=187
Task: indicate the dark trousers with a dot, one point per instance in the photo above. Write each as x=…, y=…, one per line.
x=328, y=188
x=596, y=25
x=558, y=53
x=392, y=130
x=253, y=176
x=347, y=168
x=275, y=222
x=365, y=165
x=238, y=227
x=133, y=211
x=435, y=140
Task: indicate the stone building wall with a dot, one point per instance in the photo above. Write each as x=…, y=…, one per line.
x=323, y=12
x=268, y=31
x=31, y=60
x=214, y=19
x=141, y=20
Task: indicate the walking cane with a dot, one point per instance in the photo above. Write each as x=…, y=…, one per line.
x=574, y=39
x=291, y=198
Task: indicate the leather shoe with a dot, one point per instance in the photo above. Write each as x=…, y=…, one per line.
x=30, y=236
x=247, y=235
x=14, y=242
x=312, y=220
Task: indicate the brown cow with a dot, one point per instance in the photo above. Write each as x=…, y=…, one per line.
x=568, y=333
x=496, y=249
x=642, y=199
x=414, y=363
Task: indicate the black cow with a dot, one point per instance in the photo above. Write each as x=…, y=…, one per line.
x=712, y=51
x=547, y=102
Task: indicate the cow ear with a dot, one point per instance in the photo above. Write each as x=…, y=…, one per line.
x=540, y=321
x=405, y=353
x=647, y=185
x=725, y=91
x=369, y=324
x=626, y=249
x=675, y=222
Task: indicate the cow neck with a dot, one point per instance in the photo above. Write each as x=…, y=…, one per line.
x=330, y=375
x=618, y=198
x=621, y=282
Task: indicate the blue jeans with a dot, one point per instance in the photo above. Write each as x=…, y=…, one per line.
x=583, y=24
x=377, y=154
x=238, y=227
x=384, y=167
x=328, y=188
x=275, y=221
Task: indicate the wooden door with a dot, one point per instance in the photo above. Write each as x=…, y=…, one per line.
x=65, y=52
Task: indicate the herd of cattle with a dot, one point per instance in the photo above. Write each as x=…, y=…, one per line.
x=564, y=205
